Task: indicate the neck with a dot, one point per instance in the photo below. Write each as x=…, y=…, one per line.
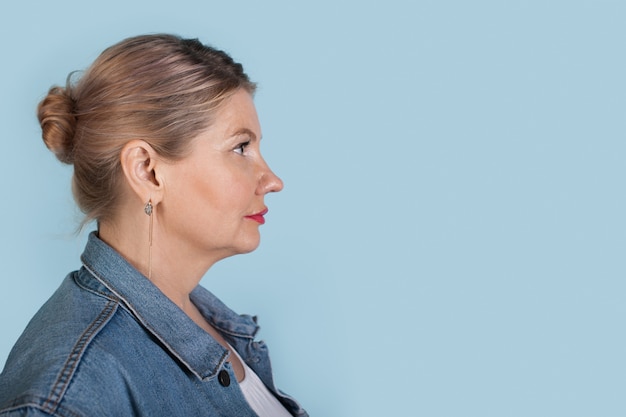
x=173, y=271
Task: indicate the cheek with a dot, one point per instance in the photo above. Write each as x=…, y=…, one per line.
x=212, y=186
x=188, y=190
x=223, y=191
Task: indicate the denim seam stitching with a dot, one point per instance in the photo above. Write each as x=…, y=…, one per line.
x=96, y=292
x=240, y=335
x=30, y=404
x=63, y=380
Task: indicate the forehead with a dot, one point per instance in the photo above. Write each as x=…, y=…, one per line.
x=237, y=114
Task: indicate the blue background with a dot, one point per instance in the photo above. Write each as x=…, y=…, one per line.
x=451, y=237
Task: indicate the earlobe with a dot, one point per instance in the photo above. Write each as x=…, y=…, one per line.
x=139, y=164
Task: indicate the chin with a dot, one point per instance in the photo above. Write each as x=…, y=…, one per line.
x=248, y=247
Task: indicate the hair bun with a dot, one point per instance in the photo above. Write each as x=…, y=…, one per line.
x=58, y=123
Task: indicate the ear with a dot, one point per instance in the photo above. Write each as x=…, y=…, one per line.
x=140, y=164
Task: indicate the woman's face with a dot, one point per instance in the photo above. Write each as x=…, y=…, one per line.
x=213, y=203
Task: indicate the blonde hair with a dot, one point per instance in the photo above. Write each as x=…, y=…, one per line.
x=158, y=88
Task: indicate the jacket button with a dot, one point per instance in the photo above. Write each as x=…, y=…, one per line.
x=224, y=378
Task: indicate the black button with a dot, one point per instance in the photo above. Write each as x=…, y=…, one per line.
x=224, y=378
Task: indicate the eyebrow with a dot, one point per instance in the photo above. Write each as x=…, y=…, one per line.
x=244, y=131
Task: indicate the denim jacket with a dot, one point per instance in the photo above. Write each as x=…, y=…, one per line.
x=110, y=343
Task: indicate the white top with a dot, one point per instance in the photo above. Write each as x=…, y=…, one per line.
x=260, y=399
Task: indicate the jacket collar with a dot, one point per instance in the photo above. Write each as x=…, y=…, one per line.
x=195, y=348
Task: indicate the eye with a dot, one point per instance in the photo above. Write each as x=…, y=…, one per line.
x=241, y=148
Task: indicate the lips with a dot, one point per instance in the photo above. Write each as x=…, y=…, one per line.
x=258, y=217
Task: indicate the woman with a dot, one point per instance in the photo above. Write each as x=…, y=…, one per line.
x=164, y=139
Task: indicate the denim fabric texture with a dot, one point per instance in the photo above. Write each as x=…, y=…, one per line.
x=110, y=343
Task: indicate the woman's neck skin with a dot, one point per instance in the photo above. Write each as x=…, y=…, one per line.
x=175, y=273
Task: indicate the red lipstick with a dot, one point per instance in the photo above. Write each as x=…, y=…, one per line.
x=258, y=217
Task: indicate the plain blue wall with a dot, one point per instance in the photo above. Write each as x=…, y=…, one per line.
x=451, y=237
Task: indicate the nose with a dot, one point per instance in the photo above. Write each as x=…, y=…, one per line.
x=269, y=182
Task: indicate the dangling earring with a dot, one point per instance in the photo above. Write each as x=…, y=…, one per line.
x=148, y=209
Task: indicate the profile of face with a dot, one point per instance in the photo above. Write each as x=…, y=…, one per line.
x=213, y=201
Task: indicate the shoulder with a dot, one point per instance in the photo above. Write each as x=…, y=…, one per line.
x=59, y=347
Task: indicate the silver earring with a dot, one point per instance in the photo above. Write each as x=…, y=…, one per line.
x=148, y=208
